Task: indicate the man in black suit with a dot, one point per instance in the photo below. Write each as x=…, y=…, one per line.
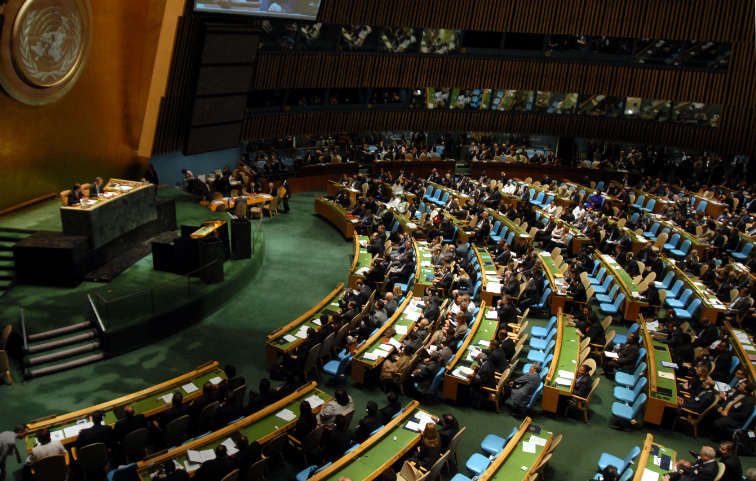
x=735, y=409
x=128, y=424
x=393, y=407
x=96, y=189
x=151, y=176
x=228, y=411
x=449, y=428
x=96, y=434
x=507, y=312
x=655, y=265
x=706, y=468
x=75, y=195
x=425, y=372
x=261, y=399
x=707, y=334
x=483, y=378
x=497, y=356
x=218, y=468
x=728, y=457
x=482, y=228
x=339, y=439
x=401, y=274
x=209, y=396
x=697, y=404
x=248, y=454
x=231, y=381
x=369, y=423
x=583, y=383
x=176, y=410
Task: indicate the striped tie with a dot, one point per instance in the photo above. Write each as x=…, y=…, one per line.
x=734, y=401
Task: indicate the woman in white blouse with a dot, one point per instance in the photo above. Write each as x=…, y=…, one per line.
x=551, y=208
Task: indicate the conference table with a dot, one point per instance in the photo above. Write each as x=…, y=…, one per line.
x=710, y=305
x=373, y=351
x=558, y=285
x=262, y=427
x=662, y=380
x=463, y=198
x=421, y=168
x=337, y=215
x=510, y=200
x=713, y=207
x=490, y=285
x=285, y=339
x=424, y=271
x=646, y=468
x=514, y=463
x=520, y=235
x=638, y=241
x=150, y=402
x=361, y=261
x=406, y=226
x=230, y=202
x=479, y=337
x=380, y=450
x=744, y=347
x=632, y=303
x=660, y=201
x=696, y=244
x=333, y=188
x=560, y=380
x=124, y=206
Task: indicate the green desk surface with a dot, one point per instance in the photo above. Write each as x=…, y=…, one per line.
x=341, y=186
x=625, y=281
x=485, y=332
x=363, y=255
x=423, y=255
x=568, y=355
x=374, y=458
x=333, y=205
x=255, y=431
x=452, y=193
x=511, y=468
x=460, y=225
x=656, y=469
x=670, y=384
x=489, y=271
x=401, y=320
x=333, y=305
x=145, y=404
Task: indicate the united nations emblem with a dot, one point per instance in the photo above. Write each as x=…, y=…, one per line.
x=49, y=44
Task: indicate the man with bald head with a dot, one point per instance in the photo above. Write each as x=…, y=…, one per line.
x=683, y=472
x=130, y=423
x=706, y=468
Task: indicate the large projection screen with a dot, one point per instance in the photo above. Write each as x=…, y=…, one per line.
x=293, y=9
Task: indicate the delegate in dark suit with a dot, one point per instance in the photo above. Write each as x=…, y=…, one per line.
x=96, y=434
x=524, y=387
x=216, y=469
x=128, y=425
x=485, y=377
x=423, y=376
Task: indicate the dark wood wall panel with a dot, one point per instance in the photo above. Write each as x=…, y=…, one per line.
x=279, y=70
x=739, y=141
x=669, y=19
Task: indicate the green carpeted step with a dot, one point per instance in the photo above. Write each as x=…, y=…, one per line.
x=7, y=264
x=12, y=236
x=59, y=342
x=68, y=363
x=6, y=245
x=63, y=352
x=6, y=284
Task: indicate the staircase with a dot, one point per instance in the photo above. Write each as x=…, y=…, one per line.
x=8, y=238
x=61, y=349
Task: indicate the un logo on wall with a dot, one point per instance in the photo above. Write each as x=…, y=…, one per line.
x=49, y=43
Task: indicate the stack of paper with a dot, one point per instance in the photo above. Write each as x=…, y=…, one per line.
x=289, y=338
x=493, y=287
x=462, y=372
x=472, y=355
x=566, y=374
x=492, y=314
x=563, y=382
x=370, y=356
x=401, y=330
x=200, y=456
x=314, y=401
x=286, y=415
x=528, y=447
x=611, y=354
x=189, y=388
x=230, y=446
x=302, y=333
x=216, y=380
x=395, y=343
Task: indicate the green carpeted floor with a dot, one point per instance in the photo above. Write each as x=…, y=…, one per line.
x=305, y=258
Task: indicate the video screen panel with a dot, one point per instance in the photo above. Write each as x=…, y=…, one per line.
x=295, y=9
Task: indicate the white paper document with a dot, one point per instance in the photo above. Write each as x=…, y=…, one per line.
x=200, y=456
x=167, y=398
x=492, y=314
x=302, y=334
x=230, y=446
x=401, y=330
x=611, y=354
x=216, y=380
x=370, y=356
x=462, y=372
x=189, y=388
x=566, y=374
x=528, y=447
x=412, y=426
x=666, y=375
x=191, y=466
x=314, y=401
x=412, y=316
x=395, y=343
x=287, y=415
x=563, y=382
x=538, y=441
x=493, y=287
x=57, y=435
x=649, y=475
x=484, y=343
x=289, y=338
